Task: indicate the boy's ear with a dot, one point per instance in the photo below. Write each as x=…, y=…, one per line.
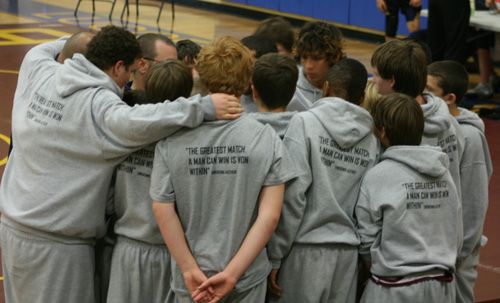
x=382, y=136
x=115, y=70
x=255, y=93
x=326, y=89
x=143, y=66
x=450, y=98
x=392, y=82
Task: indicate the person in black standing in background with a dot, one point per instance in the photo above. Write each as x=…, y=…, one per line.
x=448, y=28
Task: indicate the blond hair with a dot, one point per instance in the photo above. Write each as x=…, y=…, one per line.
x=225, y=66
x=371, y=95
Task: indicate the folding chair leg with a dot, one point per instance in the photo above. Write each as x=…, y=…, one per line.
x=173, y=9
x=159, y=12
x=123, y=10
x=76, y=8
x=112, y=8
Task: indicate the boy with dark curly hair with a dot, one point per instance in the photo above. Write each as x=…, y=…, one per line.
x=319, y=47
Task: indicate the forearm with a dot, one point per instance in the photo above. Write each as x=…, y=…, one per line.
x=288, y=227
x=269, y=213
x=173, y=235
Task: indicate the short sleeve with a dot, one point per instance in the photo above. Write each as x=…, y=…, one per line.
x=282, y=168
x=161, y=189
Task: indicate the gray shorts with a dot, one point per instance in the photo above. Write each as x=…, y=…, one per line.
x=140, y=272
x=41, y=269
x=319, y=274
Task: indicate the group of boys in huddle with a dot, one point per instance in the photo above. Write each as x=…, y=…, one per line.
x=324, y=194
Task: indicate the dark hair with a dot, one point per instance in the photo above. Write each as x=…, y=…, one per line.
x=451, y=77
x=401, y=117
x=187, y=51
x=278, y=30
x=166, y=80
x=425, y=47
x=347, y=79
x=147, y=43
x=405, y=61
x=322, y=38
x=260, y=44
x=275, y=77
x=112, y=44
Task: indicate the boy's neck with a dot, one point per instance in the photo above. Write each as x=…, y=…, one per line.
x=421, y=100
x=454, y=111
x=263, y=109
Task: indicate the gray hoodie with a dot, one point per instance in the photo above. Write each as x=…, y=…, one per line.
x=278, y=121
x=441, y=129
x=475, y=172
x=409, y=214
x=333, y=146
x=71, y=130
x=305, y=94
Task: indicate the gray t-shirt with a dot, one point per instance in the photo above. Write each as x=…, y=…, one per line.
x=214, y=173
x=132, y=204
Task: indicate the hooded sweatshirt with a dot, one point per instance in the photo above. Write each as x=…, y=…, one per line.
x=409, y=214
x=278, y=121
x=441, y=129
x=333, y=146
x=305, y=94
x=475, y=172
x=71, y=130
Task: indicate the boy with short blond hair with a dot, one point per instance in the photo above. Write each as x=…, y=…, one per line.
x=316, y=240
x=449, y=80
x=408, y=216
x=218, y=191
x=401, y=66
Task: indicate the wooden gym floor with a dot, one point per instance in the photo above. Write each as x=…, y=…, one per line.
x=26, y=23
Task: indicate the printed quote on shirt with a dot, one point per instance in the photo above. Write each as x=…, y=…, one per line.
x=216, y=160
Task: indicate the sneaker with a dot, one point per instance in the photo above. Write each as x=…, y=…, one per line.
x=482, y=91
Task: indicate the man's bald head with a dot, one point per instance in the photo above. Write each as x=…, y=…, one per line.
x=77, y=43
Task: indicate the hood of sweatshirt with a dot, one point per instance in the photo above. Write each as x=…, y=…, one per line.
x=436, y=115
x=278, y=121
x=468, y=117
x=305, y=85
x=427, y=160
x=79, y=73
x=345, y=122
